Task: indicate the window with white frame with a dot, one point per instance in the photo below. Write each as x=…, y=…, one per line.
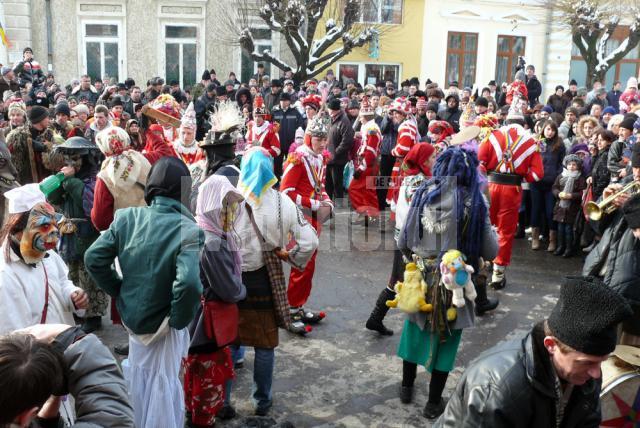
x=262, y=41
x=181, y=54
x=101, y=47
x=381, y=11
x=369, y=73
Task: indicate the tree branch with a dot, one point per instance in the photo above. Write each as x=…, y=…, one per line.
x=247, y=43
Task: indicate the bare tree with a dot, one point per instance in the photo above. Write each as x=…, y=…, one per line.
x=297, y=22
x=592, y=24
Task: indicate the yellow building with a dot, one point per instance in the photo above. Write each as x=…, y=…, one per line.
x=400, y=43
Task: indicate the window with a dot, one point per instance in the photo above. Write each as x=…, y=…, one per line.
x=382, y=11
x=248, y=67
x=628, y=66
x=462, y=51
x=509, y=49
x=181, y=54
x=101, y=50
x=369, y=73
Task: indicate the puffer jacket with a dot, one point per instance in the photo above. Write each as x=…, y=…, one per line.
x=512, y=386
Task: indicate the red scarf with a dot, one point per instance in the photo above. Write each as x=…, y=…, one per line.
x=415, y=162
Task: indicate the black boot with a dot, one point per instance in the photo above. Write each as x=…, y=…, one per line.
x=560, y=245
x=91, y=324
x=409, y=372
x=379, y=311
x=483, y=303
x=569, y=244
x=435, y=406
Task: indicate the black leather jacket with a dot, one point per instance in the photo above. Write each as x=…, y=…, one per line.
x=512, y=386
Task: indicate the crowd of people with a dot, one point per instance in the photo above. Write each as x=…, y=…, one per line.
x=175, y=209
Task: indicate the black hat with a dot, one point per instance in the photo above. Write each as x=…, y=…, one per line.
x=334, y=104
x=405, y=83
x=122, y=86
x=635, y=156
x=627, y=123
x=275, y=83
x=116, y=101
x=63, y=108
x=27, y=49
x=171, y=83
x=587, y=314
x=260, y=65
x=353, y=104
x=492, y=83
x=482, y=101
x=573, y=82
x=285, y=96
x=37, y=114
x=631, y=211
x=206, y=75
x=414, y=81
x=211, y=87
x=77, y=145
x=221, y=91
x=454, y=83
x=129, y=83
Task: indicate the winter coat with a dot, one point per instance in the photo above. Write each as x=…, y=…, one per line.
x=219, y=283
x=272, y=100
x=247, y=93
x=613, y=98
x=512, y=385
x=340, y=139
x=423, y=127
x=615, y=161
x=558, y=103
x=568, y=215
x=563, y=130
x=95, y=382
x=552, y=163
x=389, y=132
x=289, y=121
x=534, y=90
x=22, y=291
x=75, y=196
x=600, y=174
x=619, y=251
x=162, y=276
x=203, y=107
x=29, y=72
x=452, y=115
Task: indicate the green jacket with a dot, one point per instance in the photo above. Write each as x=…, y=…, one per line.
x=158, y=248
x=73, y=197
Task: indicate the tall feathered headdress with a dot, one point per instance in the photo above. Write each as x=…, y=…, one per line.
x=226, y=124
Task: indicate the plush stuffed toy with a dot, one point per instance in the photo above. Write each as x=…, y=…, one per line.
x=410, y=294
x=456, y=277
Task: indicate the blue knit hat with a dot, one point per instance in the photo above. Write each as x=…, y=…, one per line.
x=609, y=109
x=548, y=109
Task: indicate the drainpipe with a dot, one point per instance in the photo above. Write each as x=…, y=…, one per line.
x=545, y=58
x=49, y=41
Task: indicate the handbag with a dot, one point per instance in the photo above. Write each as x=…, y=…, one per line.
x=221, y=321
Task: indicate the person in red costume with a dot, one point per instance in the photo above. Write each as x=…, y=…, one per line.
x=186, y=147
x=115, y=189
x=407, y=138
x=362, y=191
x=509, y=155
x=303, y=181
x=260, y=132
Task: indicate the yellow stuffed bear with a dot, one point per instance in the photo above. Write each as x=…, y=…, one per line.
x=410, y=293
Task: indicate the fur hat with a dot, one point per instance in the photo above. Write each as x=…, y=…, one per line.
x=572, y=158
x=63, y=108
x=520, y=76
x=631, y=211
x=587, y=314
x=334, y=104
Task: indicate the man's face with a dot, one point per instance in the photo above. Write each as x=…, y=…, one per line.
x=412, y=90
x=101, y=120
x=318, y=144
x=284, y=104
x=606, y=118
x=530, y=72
x=597, y=86
x=397, y=116
x=624, y=133
x=421, y=111
x=544, y=115
x=136, y=94
x=481, y=109
x=85, y=83
x=617, y=86
x=573, y=88
x=98, y=85
x=275, y=89
x=573, y=366
x=375, y=101
x=310, y=112
x=596, y=110
x=62, y=119
x=10, y=75
x=570, y=117
x=27, y=56
x=493, y=88
x=353, y=112
x=16, y=118
x=259, y=120
x=188, y=135
x=289, y=87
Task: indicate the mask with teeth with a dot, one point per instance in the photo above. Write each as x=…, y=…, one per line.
x=41, y=233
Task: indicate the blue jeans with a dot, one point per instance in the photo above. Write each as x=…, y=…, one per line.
x=263, y=364
x=542, y=203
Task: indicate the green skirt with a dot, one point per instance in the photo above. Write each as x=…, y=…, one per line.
x=425, y=348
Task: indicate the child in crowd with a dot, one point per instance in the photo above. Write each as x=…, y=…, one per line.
x=568, y=189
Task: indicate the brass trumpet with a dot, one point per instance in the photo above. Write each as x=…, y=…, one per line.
x=595, y=211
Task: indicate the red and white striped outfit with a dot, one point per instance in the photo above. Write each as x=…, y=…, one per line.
x=407, y=138
x=265, y=136
x=509, y=150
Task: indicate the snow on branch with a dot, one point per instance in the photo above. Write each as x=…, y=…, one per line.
x=247, y=43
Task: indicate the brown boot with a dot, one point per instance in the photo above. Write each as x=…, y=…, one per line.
x=535, y=238
x=552, y=241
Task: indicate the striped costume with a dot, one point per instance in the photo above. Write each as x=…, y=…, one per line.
x=407, y=138
x=362, y=190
